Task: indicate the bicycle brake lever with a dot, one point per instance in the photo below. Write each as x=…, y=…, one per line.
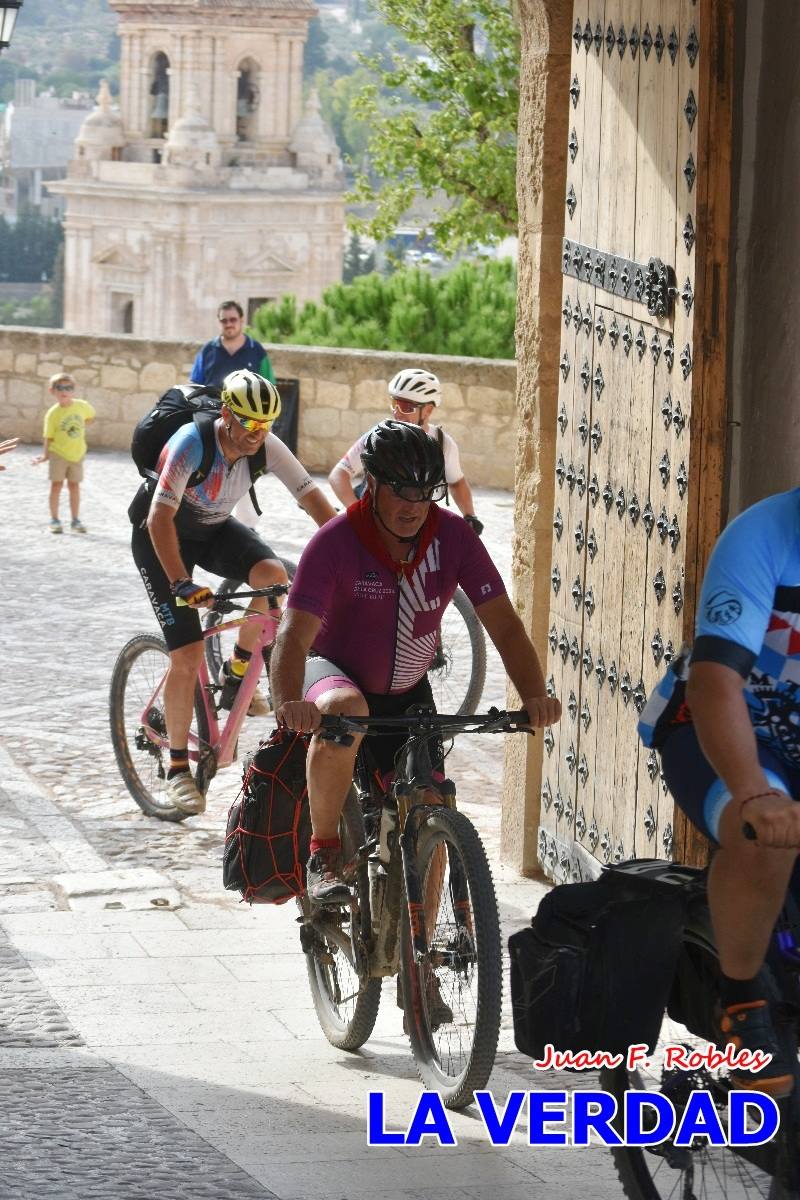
x=341, y=739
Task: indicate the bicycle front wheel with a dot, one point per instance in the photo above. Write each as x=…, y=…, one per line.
x=143, y=763
x=458, y=671
x=346, y=1000
x=664, y=1171
x=452, y=1001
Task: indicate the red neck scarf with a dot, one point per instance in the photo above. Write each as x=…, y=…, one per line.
x=362, y=519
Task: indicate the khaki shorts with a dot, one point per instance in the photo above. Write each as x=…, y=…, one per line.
x=61, y=469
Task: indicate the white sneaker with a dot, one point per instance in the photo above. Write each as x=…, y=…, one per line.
x=184, y=794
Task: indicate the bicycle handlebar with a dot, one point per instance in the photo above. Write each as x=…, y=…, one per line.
x=224, y=602
x=495, y=721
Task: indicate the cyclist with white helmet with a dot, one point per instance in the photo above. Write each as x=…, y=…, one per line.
x=413, y=394
x=190, y=524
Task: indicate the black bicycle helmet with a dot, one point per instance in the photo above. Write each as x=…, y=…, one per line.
x=399, y=453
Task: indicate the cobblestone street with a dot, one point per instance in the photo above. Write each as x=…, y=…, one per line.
x=157, y=1039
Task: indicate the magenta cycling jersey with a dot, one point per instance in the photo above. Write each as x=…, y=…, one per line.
x=380, y=621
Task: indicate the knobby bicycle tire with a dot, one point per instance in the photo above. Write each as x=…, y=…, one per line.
x=213, y=646
x=144, y=770
x=447, y=691
x=347, y=1024
x=713, y=1172
x=456, y=1058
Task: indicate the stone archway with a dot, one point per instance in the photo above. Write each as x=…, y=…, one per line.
x=248, y=100
x=158, y=108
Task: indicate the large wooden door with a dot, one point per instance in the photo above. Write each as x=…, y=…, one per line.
x=625, y=428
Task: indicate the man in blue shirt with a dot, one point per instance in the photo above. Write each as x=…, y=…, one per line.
x=233, y=350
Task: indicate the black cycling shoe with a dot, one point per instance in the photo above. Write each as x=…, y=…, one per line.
x=324, y=883
x=749, y=1026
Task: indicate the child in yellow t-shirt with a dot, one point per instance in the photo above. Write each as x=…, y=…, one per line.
x=65, y=447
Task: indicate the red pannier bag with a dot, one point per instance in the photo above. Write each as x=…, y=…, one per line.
x=269, y=825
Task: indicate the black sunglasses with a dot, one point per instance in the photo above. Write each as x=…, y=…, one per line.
x=416, y=494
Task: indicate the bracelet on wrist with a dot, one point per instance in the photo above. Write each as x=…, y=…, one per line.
x=177, y=583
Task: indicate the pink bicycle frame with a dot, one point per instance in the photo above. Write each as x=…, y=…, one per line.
x=222, y=743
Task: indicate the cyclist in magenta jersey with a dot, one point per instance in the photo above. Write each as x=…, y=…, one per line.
x=726, y=719
x=362, y=620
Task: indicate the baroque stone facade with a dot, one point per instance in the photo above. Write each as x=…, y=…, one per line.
x=209, y=182
x=342, y=393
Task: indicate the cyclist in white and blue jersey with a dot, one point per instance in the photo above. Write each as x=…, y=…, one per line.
x=190, y=524
x=726, y=719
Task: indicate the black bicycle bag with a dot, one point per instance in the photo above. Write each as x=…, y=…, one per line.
x=594, y=969
x=267, y=842
x=178, y=406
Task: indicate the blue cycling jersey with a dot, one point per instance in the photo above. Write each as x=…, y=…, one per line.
x=748, y=619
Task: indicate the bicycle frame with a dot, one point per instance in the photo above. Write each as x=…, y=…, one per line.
x=410, y=791
x=221, y=741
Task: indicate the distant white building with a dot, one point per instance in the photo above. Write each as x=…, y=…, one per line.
x=211, y=181
x=37, y=137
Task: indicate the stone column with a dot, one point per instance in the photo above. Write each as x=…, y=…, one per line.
x=140, y=66
x=125, y=81
x=269, y=103
x=295, y=80
x=282, y=83
x=176, y=74
x=541, y=175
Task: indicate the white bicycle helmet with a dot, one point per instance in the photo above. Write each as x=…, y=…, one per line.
x=415, y=384
x=252, y=396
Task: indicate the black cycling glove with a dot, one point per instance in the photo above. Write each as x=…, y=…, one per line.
x=474, y=523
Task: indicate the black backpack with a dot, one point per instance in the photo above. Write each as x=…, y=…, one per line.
x=267, y=841
x=595, y=968
x=176, y=407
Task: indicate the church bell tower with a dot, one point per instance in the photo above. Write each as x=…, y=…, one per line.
x=212, y=181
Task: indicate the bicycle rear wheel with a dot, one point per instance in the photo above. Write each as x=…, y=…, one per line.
x=458, y=671
x=143, y=764
x=345, y=998
x=463, y=973
x=664, y=1171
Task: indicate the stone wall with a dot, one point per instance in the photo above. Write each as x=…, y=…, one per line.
x=342, y=393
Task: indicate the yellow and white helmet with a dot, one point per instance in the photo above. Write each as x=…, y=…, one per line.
x=251, y=396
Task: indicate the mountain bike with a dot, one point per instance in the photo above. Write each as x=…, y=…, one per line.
x=458, y=671
x=702, y=1171
x=136, y=706
x=422, y=906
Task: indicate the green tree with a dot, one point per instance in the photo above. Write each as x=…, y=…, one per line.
x=315, y=57
x=470, y=312
x=445, y=121
x=28, y=248
x=357, y=260
x=337, y=97
x=37, y=312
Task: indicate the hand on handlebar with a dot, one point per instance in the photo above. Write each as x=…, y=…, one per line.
x=300, y=715
x=194, y=595
x=543, y=710
x=772, y=819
